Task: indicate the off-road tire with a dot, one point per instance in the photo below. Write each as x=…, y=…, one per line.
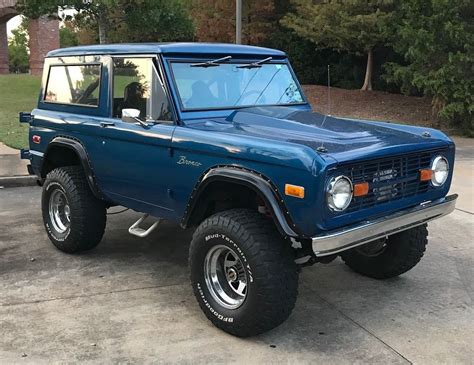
x=403, y=251
x=268, y=260
x=87, y=213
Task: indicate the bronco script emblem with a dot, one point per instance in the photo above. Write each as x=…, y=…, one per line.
x=183, y=161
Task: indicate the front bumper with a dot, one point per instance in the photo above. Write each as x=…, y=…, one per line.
x=346, y=238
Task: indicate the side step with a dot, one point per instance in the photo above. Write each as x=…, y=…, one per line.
x=136, y=230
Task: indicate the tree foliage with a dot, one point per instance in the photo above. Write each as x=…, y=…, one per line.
x=310, y=63
x=36, y=8
x=97, y=11
x=68, y=35
x=18, y=57
x=157, y=21
x=436, y=38
x=215, y=20
x=356, y=26
x=120, y=20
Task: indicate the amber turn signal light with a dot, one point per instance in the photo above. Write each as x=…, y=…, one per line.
x=361, y=189
x=426, y=174
x=294, y=190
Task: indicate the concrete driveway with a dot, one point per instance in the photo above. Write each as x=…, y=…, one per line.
x=130, y=301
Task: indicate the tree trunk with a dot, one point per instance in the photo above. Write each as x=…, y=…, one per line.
x=368, y=72
x=103, y=27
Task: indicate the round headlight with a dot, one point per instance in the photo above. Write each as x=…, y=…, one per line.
x=339, y=193
x=440, y=169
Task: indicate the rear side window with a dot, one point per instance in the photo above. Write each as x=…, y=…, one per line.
x=73, y=84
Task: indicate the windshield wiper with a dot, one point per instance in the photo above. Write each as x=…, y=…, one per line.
x=256, y=64
x=212, y=63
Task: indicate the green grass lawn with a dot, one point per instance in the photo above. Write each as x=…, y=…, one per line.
x=18, y=93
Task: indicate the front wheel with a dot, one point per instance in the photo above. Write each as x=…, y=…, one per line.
x=243, y=272
x=388, y=257
x=74, y=219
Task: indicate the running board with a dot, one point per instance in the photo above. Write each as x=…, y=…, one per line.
x=136, y=230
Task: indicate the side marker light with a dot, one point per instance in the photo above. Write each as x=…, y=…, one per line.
x=294, y=190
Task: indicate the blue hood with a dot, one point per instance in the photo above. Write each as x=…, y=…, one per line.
x=343, y=139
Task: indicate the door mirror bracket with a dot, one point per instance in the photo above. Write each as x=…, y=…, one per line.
x=130, y=115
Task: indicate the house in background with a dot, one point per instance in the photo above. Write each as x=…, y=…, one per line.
x=43, y=37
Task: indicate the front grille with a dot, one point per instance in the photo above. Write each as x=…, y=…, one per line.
x=389, y=179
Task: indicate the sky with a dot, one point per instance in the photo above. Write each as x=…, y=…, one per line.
x=13, y=23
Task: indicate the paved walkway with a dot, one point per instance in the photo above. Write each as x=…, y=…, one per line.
x=10, y=162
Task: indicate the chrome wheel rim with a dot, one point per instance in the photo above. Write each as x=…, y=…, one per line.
x=59, y=211
x=225, y=277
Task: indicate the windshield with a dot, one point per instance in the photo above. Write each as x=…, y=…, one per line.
x=227, y=85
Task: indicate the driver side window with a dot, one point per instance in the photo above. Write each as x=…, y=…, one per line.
x=136, y=85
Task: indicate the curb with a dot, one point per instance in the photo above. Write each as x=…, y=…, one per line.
x=17, y=181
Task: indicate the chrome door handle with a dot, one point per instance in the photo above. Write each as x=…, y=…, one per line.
x=107, y=124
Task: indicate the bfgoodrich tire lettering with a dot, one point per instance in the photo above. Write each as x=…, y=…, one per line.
x=402, y=252
x=267, y=263
x=84, y=225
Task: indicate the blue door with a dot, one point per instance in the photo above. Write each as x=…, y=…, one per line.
x=135, y=164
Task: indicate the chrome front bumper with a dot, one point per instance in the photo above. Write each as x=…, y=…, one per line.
x=346, y=238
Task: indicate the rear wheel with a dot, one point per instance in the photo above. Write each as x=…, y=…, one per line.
x=389, y=257
x=243, y=272
x=74, y=219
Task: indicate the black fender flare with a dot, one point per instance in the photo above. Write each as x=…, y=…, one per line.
x=253, y=180
x=76, y=146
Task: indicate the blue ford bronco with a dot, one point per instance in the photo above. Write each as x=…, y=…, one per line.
x=221, y=137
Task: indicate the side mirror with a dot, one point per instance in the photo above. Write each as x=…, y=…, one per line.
x=130, y=115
